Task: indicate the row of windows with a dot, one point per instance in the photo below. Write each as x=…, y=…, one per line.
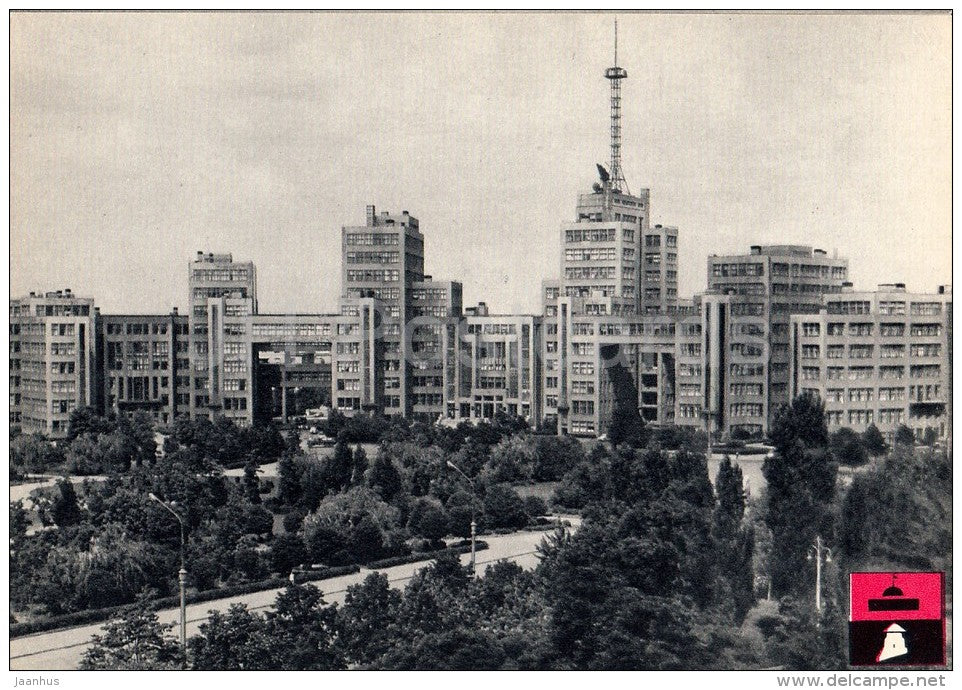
x=746, y=389
x=372, y=257
x=287, y=330
x=60, y=310
x=582, y=407
x=373, y=275
x=590, y=273
x=578, y=426
x=220, y=275
x=580, y=387
x=893, y=308
x=592, y=254
x=920, y=371
x=493, y=328
x=724, y=270
x=747, y=409
x=591, y=235
x=372, y=239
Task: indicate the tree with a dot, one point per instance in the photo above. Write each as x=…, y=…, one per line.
x=33, y=453
x=428, y=519
x=385, y=478
x=873, y=441
x=904, y=436
x=461, y=508
x=511, y=460
x=232, y=641
x=303, y=631
x=289, y=481
x=85, y=420
x=367, y=619
x=136, y=641
x=252, y=485
x=358, y=465
x=626, y=425
x=338, y=468
x=19, y=522
x=503, y=507
x=734, y=543
x=349, y=527
x=66, y=511
x=847, y=447
x=804, y=421
x=287, y=552
x=801, y=488
x=365, y=540
x=555, y=456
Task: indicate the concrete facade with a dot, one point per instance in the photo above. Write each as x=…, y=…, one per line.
x=53, y=360
x=881, y=357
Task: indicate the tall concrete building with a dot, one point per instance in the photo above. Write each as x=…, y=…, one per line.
x=53, y=360
x=768, y=285
x=219, y=287
x=493, y=366
x=145, y=365
x=881, y=357
x=384, y=260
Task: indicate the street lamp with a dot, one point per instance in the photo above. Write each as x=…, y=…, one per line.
x=818, y=551
x=182, y=573
x=473, y=523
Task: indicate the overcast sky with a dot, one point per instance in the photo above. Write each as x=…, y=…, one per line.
x=138, y=139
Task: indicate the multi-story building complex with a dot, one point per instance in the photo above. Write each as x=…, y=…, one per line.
x=773, y=322
x=492, y=365
x=878, y=358
x=767, y=286
x=53, y=360
x=144, y=361
x=674, y=366
x=433, y=305
x=384, y=259
x=218, y=288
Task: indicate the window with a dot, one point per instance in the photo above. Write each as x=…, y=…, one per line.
x=810, y=373
x=860, y=373
x=860, y=351
x=747, y=409
x=583, y=407
x=811, y=352
x=860, y=394
x=860, y=417
x=890, y=372
x=811, y=329
x=835, y=395
x=891, y=351
x=923, y=329
x=926, y=308
x=928, y=350
x=835, y=352
x=892, y=330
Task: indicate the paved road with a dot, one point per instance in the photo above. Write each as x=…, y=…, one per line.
x=62, y=649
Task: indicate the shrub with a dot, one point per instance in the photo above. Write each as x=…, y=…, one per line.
x=535, y=506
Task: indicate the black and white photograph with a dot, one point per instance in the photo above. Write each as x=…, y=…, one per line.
x=471, y=341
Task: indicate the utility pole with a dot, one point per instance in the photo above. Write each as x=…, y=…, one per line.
x=817, y=551
x=182, y=573
x=474, y=524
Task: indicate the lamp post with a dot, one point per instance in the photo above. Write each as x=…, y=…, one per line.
x=182, y=573
x=818, y=551
x=473, y=523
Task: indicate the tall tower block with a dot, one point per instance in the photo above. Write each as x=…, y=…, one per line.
x=615, y=74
